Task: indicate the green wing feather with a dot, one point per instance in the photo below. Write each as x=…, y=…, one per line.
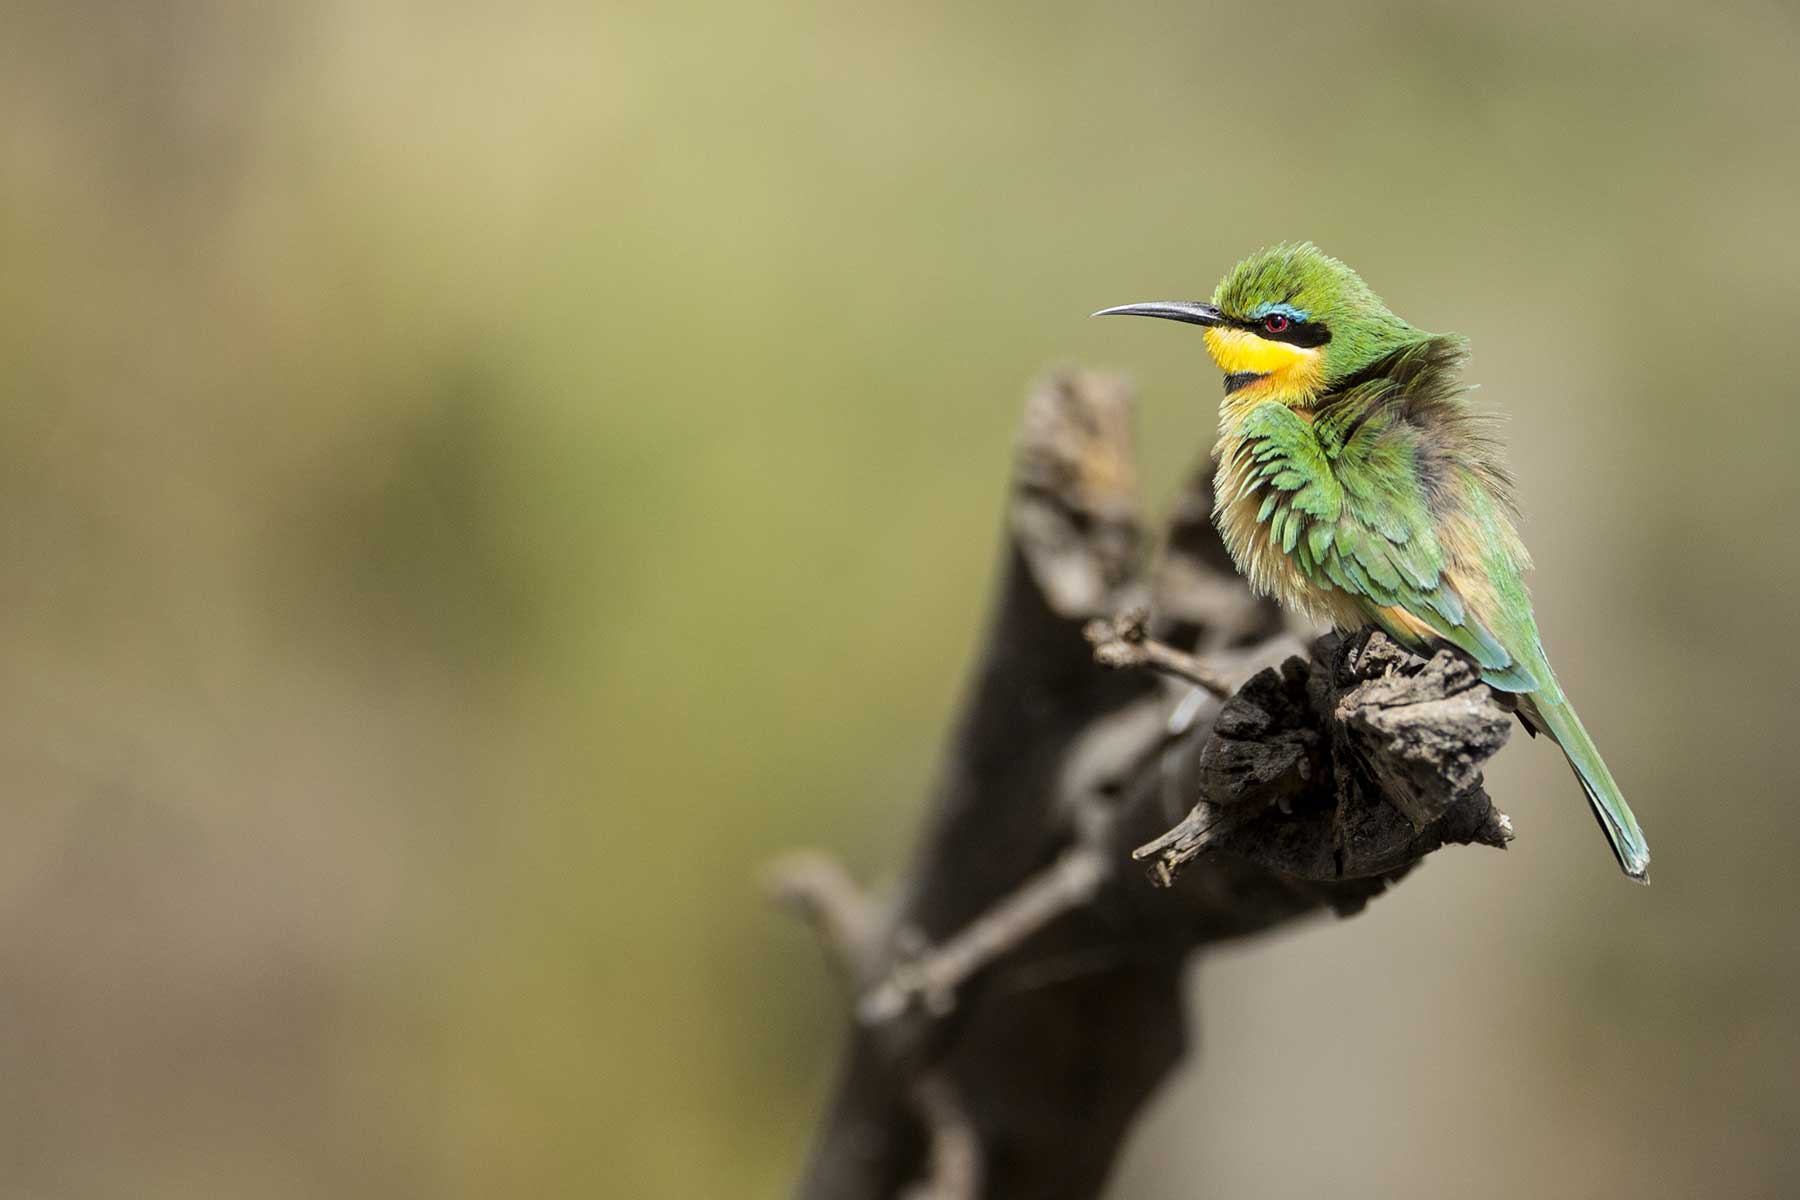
x=1390, y=496
x=1354, y=515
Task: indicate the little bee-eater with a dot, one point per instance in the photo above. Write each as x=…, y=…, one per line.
x=1356, y=484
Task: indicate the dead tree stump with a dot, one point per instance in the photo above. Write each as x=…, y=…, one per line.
x=1018, y=999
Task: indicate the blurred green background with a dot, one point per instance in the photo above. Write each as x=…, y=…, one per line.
x=479, y=479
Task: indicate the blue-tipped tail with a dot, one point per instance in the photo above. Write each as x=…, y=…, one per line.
x=1557, y=717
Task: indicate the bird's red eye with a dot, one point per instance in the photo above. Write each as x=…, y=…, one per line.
x=1275, y=322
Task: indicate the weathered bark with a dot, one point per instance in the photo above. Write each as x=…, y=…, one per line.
x=1019, y=999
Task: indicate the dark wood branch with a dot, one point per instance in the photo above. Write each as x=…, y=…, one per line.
x=1393, y=743
x=1019, y=1000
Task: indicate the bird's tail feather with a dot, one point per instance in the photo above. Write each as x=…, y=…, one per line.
x=1557, y=716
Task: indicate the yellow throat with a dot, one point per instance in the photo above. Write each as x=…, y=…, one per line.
x=1291, y=374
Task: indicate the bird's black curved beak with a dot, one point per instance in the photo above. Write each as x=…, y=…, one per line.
x=1190, y=311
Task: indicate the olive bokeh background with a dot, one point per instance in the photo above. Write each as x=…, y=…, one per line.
x=479, y=479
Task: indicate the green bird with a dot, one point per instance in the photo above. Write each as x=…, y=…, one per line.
x=1356, y=484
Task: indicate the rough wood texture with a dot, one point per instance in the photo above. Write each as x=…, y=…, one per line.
x=1019, y=999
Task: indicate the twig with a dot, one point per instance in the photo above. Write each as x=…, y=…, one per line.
x=1124, y=641
x=953, y=1162
x=932, y=979
x=815, y=886
x=1185, y=842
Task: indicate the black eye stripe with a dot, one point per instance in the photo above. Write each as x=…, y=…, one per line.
x=1306, y=334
